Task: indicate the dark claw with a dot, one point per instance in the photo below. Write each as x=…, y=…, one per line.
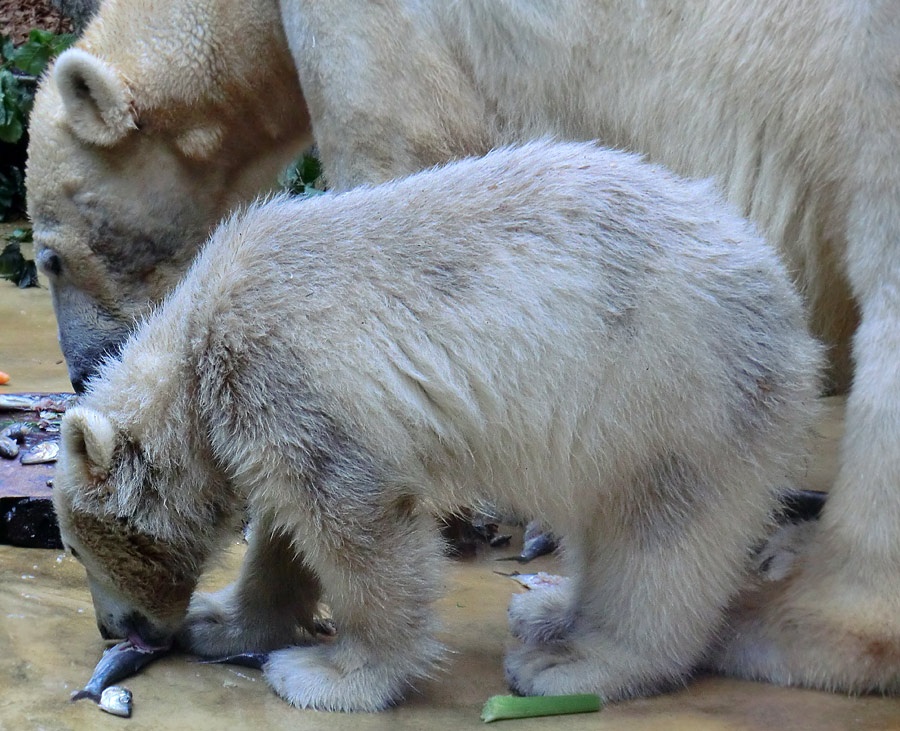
x=325, y=626
x=801, y=505
x=254, y=660
x=500, y=541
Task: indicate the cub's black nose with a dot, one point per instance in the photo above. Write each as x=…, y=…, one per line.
x=105, y=632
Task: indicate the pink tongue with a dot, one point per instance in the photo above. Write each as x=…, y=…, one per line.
x=135, y=639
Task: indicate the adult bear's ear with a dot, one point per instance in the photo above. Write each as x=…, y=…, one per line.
x=89, y=437
x=97, y=101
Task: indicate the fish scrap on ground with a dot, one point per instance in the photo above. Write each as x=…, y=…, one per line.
x=55, y=402
x=41, y=453
x=125, y=659
x=540, y=580
x=119, y=661
x=11, y=436
x=535, y=542
x=49, y=408
x=117, y=701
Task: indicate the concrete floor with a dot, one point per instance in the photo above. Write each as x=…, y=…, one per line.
x=49, y=641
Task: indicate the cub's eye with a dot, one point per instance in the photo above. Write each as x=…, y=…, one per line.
x=73, y=552
x=49, y=262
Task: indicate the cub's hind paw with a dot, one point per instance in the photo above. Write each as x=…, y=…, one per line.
x=777, y=556
x=546, y=670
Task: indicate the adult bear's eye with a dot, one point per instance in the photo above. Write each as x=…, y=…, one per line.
x=49, y=262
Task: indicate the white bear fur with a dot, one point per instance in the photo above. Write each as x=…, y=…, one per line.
x=790, y=105
x=605, y=344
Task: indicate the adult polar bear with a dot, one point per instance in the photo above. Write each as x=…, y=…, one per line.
x=160, y=121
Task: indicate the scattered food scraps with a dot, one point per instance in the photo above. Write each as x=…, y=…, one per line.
x=10, y=438
x=55, y=402
x=538, y=580
x=4, y=378
x=43, y=453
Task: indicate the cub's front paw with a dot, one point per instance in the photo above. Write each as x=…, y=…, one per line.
x=541, y=615
x=336, y=677
x=216, y=626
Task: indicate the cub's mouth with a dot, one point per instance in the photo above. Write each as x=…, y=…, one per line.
x=141, y=644
x=140, y=632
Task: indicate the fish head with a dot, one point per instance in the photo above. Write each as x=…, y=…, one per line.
x=142, y=556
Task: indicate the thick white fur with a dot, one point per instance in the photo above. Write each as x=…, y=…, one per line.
x=605, y=344
x=790, y=105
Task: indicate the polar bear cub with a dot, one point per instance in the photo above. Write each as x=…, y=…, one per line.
x=554, y=329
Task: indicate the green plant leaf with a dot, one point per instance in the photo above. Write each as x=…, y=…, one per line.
x=61, y=42
x=19, y=70
x=32, y=58
x=12, y=191
x=6, y=47
x=12, y=120
x=309, y=169
x=12, y=131
x=36, y=35
x=34, y=55
x=13, y=266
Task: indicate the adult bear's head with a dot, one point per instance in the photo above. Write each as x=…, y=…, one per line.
x=140, y=143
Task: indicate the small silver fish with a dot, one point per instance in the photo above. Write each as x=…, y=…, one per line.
x=42, y=453
x=116, y=700
x=118, y=662
x=10, y=438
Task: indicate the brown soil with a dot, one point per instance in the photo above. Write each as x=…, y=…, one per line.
x=17, y=17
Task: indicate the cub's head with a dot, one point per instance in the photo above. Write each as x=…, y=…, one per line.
x=142, y=552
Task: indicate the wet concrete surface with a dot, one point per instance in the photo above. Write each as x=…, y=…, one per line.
x=49, y=641
x=29, y=352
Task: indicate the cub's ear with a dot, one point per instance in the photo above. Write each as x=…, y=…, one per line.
x=97, y=101
x=89, y=436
